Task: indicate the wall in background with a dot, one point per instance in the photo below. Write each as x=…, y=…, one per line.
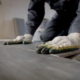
x=15, y=9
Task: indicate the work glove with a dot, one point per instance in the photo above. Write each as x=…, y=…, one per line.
x=43, y=46
x=26, y=39
x=62, y=44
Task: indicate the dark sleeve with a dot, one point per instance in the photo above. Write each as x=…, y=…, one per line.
x=35, y=15
x=75, y=27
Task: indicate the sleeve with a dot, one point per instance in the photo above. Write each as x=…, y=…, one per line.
x=35, y=15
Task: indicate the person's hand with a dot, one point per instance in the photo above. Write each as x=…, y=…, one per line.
x=26, y=39
x=61, y=44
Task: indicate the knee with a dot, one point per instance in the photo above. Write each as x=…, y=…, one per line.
x=44, y=38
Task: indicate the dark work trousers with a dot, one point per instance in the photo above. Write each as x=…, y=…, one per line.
x=65, y=21
x=66, y=24
x=57, y=26
x=75, y=25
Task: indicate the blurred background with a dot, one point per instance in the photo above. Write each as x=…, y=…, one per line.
x=13, y=16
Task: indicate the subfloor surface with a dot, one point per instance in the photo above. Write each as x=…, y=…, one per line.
x=21, y=62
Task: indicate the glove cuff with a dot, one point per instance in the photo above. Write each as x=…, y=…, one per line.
x=75, y=38
x=28, y=37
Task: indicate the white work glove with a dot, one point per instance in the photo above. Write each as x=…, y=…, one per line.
x=72, y=40
x=60, y=44
x=18, y=38
x=27, y=38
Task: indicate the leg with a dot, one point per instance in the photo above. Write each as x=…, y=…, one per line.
x=53, y=28
x=75, y=26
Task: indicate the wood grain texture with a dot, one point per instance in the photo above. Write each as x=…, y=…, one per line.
x=19, y=62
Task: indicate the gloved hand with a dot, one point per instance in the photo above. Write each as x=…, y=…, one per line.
x=62, y=44
x=26, y=39
x=43, y=46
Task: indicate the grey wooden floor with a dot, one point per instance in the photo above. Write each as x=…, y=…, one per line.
x=21, y=62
